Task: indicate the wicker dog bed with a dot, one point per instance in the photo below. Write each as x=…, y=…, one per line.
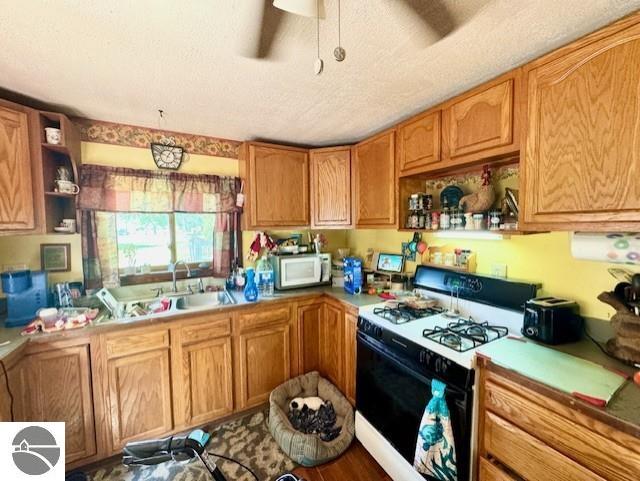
x=308, y=449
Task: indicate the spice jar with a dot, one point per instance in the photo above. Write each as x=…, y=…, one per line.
x=435, y=220
x=477, y=221
x=495, y=217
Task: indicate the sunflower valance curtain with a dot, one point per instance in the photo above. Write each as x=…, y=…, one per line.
x=105, y=191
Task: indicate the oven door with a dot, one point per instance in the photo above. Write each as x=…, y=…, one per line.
x=299, y=271
x=392, y=393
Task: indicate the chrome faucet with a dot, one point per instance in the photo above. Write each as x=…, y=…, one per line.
x=173, y=268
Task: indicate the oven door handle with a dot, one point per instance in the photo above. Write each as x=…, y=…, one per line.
x=401, y=364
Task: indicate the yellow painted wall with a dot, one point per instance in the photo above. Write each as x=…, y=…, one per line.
x=17, y=250
x=136, y=158
x=544, y=258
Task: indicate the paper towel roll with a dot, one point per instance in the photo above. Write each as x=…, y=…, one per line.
x=617, y=247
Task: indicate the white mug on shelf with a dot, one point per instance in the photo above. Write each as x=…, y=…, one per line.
x=53, y=135
x=69, y=224
x=67, y=187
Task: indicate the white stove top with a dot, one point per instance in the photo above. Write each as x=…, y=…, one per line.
x=413, y=330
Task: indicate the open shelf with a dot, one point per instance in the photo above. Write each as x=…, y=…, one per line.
x=58, y=205
x=62, y=149
x=60, y=194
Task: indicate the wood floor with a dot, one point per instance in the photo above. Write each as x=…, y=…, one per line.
x=355, y=465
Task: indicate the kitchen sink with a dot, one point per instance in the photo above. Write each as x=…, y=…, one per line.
x=205, y=300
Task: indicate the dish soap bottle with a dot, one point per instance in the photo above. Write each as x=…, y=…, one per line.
x=250, y=289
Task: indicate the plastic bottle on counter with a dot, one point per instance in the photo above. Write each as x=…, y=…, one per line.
x=265, y=275
x=250, y=289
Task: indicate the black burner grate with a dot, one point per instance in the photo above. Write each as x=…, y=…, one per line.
x=465, y=334
x=404, y=313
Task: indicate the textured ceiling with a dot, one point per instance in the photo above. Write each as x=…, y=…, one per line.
x=121, y=60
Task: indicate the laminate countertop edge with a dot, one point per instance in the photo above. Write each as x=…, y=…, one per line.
x=18, y=343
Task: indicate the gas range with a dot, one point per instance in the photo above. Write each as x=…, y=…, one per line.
x=400, y=351
x=455, y=339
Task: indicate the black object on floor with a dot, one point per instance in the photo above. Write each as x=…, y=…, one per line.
x=75, y=476
x=321, y=421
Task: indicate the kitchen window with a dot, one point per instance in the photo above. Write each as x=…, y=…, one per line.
x=148, y=242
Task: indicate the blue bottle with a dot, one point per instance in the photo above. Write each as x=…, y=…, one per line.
x=250, y=289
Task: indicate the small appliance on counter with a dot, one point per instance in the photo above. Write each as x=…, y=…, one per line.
x=301, y=270
x=26, y=293
x=552, y=320
x=352, y=275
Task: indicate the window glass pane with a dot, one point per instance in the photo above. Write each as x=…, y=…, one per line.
x=194, y=237
x=143, y=239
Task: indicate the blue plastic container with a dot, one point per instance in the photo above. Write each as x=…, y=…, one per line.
x=14, y=282
x=250, y=289
x=353, y=275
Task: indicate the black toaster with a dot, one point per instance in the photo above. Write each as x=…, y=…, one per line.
x=552, y=320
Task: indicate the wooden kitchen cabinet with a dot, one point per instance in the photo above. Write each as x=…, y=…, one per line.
x=139, y=379
x=350, y=358
x=263, y=353
x=483, y=123
x=277, y=185
x=57, y=387
x=16, y=188
x=309, y=319
x=581, y=158
x=331, y=187
x=203, y=363
x=419, y=143
x=374, y=182
x=332, y=344
x=529, y=430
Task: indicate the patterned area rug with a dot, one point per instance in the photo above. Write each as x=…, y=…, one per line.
x=246, y=439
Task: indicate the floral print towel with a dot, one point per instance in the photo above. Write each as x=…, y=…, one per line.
x=435, y=450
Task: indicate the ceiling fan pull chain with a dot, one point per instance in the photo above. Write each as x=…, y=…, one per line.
x=339, y=52
x=318, y=63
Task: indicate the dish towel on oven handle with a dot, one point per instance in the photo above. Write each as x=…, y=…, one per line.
x=435, y=450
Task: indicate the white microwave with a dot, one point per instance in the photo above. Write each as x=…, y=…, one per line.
x=301, y=270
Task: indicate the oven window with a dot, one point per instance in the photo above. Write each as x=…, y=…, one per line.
x=393, y=399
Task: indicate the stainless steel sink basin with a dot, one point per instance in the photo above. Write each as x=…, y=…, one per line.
x=205, y=300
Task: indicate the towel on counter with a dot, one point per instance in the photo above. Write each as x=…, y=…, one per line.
x=435, y=449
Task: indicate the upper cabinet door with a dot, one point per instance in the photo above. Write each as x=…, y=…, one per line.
x=278, y=183
x=331, y=187
x=374, y=181
x=581, y=163
x=482, y=123
x=16, y=189
x=419, y=143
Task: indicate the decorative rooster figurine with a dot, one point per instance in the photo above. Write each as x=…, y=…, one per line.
x=483, y=199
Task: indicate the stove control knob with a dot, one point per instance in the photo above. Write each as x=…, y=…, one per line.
x=531, y=331
x=377, y=331
x=442, y=365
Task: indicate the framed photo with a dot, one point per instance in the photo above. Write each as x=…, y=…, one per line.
x=55, y=257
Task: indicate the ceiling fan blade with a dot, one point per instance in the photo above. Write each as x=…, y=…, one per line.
x=271, y=23
x=258, y=27
x=434, y=14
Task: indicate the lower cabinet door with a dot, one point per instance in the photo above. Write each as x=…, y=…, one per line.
x=139, y=396
x=208, y=383
x=331, y=345
x=58, y=389
x=309, y=319
x=351, y=329
x=264, y=363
